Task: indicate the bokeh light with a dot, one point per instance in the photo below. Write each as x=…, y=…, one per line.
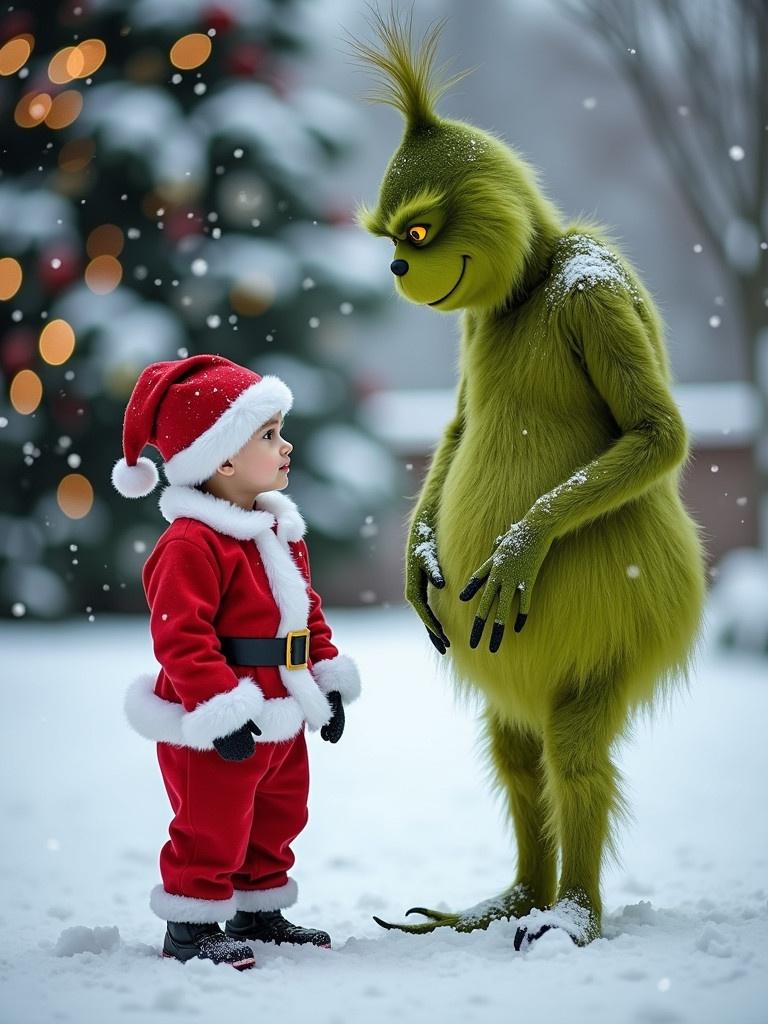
x=10, y=277
x=79, y=61
x=103, y=274
x=191, y=51
x=57, y=342
x=75, y=495
x=94, y=53
x=106, y=240
x=66, y=65
x=252, y=294
x=65, y=109
x=32, y=109
x=26, y=392
x=14, y=54
x=76, y=155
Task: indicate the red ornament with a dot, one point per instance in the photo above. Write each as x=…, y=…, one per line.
x=247, y=60
x=218, y=17
x=339, y=215
x=179, y=224
x=58, y=265
x=17, y=351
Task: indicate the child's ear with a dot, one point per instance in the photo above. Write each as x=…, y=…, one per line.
x=226, y=468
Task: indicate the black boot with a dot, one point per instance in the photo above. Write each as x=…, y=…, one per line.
x=271, y=926
x=208, y=942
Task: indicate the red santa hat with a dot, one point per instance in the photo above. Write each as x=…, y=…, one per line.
x=198, y=412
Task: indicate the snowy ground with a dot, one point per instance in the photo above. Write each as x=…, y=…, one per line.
x=400, y=814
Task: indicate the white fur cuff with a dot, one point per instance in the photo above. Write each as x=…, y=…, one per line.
x=221, y=715
x=186, y=908
x=339, y=673
x=267, y=899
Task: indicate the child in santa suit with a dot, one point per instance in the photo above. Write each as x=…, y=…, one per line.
x=246, y=655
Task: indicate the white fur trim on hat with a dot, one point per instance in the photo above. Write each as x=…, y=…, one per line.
x=135, y=481
x=169, y=907
x=278, y=898
x=231, y=431
x=340, y=674
x=154, y=718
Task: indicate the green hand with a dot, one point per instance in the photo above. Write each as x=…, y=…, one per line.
x=512, y=569
x=422, y=567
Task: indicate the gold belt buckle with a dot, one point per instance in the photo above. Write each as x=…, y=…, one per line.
x=289, y=663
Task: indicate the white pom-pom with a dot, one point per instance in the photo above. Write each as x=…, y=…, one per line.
x=135, y=481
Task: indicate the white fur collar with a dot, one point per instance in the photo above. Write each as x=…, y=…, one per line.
x=177, y=502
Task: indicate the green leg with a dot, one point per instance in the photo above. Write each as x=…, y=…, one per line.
x=582, y=786
x=517, y=756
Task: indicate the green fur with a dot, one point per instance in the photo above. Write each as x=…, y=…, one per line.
x=560, y=471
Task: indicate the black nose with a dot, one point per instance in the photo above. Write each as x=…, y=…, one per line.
x=399, y=267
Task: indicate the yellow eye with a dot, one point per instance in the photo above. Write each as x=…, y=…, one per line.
x=417, y=233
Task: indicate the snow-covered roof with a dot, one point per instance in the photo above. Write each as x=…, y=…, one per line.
x=718, y=415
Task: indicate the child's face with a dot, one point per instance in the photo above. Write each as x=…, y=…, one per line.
x=262, y=464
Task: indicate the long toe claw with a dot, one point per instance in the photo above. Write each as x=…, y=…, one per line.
x=385, y=924
x=433, y=915
x=520, y=622
x=524, y=939
x=413, y=929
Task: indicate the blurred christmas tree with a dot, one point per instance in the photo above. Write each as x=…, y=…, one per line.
x=166, y=189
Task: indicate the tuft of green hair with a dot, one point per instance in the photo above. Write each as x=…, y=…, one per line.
x=409, y=79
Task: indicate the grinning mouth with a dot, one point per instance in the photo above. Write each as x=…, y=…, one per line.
x=463, y=268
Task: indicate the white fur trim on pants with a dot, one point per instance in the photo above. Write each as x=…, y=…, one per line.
x=267, y=899
x=169, y=907
x=340, y=674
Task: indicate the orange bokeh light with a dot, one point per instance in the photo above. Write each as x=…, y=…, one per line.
x=10, y=277
x=103, y=274
x=191, y=51
x=57, y=342
x=76, y=155
x=106, y=240
x=75, y=495
x=15, y=54
x=66, y=65
x=26, y=392
x=32, y=109
x=65, y=109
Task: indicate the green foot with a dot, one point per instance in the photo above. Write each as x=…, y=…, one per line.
x=573, y=913
x=514, y=903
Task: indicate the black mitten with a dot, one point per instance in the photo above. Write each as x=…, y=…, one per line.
x=335, y=727
x=238, y=745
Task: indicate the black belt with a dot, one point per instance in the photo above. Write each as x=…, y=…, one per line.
x=291, y=650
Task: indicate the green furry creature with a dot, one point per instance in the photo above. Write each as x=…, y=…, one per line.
x=552, y=497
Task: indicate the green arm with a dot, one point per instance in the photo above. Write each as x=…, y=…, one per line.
x=422, y=565
x=625, y=371
x=620, y=360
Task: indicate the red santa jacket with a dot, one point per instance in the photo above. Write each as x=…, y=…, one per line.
x=220, y=570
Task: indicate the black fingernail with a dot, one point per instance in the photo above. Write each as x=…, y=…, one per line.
x=520, y=622
x=436, y=641
x=477, y=631
x=470, y=590
x=497, y=634
x=437, y=582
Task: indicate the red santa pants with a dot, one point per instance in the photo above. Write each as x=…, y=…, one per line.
x=234, y=821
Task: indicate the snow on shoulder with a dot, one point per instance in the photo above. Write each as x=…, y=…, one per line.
x=581, y=262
